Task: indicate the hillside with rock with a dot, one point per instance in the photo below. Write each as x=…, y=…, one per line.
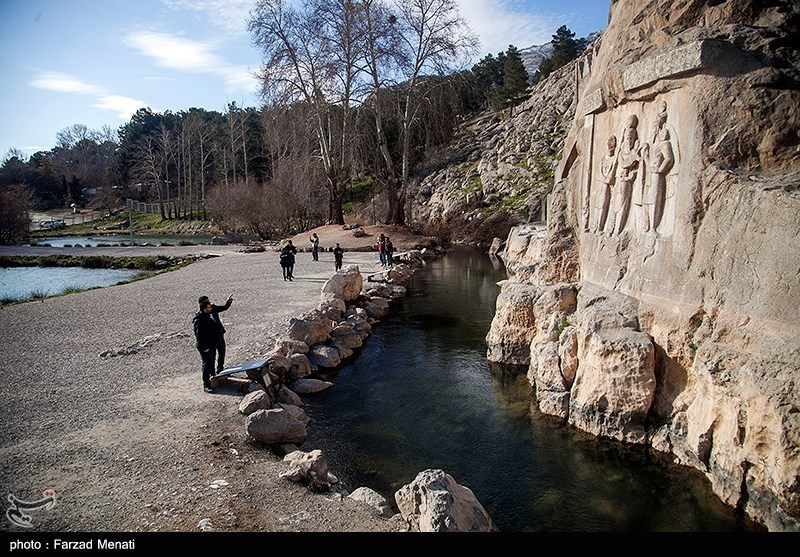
x=655, y=289
x=499, y=167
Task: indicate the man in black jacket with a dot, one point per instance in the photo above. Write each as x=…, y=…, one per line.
x=215, y=311
x=208, y=335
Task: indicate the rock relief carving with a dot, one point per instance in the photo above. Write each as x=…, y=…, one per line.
x=608, y=171
x=634, y=178
x=654, y=193
x=659, y=158
x=629, y=159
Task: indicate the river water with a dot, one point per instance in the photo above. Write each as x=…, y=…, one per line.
x=422, y=395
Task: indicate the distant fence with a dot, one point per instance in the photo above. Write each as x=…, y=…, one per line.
x=140, y=207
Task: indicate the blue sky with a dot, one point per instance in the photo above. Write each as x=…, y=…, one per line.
x=95, y=62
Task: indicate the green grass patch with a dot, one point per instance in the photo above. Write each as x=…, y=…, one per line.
x=474, y=185
x=360, y=192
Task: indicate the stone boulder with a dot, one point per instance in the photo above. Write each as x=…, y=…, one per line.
x=310, y=329
x=301, y=367
x=374, y=500
x=287, y=396
x=296, y=412
x=275, y=425
x=345, y=351
x=278, y=366
x=310, y=386
x=324, y=356
x=332, y=306
x=345, y=284
x=359, y=321
x=345, y=334
x=376, y=307
x=435, y=502
x=287, y=347
x=308, y=467
x=257, y=400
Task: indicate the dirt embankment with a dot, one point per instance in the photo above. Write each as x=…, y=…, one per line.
x=402, y=238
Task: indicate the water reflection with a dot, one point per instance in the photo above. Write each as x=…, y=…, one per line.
x=422, y=395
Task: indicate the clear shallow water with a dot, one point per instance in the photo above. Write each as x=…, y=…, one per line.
x=120, y=239
x=422, y=395
x=20, y=282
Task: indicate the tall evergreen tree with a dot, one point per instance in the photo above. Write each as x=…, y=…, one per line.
x=74, y=190
x=565, y=49
x=514, y=88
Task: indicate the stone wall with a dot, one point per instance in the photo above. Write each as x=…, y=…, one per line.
x=675, y=216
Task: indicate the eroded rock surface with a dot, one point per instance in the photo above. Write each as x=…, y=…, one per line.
x=675, y=215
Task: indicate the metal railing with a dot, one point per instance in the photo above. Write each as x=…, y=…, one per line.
x=138, y=206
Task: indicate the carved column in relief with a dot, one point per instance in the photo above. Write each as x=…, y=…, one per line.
x=587, y=195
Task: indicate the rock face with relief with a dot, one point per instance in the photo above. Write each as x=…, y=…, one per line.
x=675, y=216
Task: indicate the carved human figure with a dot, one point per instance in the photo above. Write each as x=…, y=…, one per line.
x=659, y=164
x=660, y=121
x=608, y=173
x=628, y=162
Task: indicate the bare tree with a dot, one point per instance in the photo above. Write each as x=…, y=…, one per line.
x=15, y=219
x=147, y=166
x=432, y=37
x=165, y=142
x=310, y=56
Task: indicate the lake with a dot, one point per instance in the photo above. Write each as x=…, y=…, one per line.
x=19, y=283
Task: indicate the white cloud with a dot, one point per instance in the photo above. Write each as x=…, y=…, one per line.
x=123, y=106
x=174, y=52
x=179, y=53
x=64, y=83
x=500, y=23
x=230, y=15
x=55, y=81
x=239, y=79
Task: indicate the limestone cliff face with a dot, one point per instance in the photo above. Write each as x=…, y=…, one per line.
x=504, y=161
x=674, y=219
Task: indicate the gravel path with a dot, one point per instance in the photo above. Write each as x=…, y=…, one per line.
x=131, y=442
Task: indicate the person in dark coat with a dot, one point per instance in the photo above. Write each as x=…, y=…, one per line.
x=287, y=260
x=314, y=247
x=389, y=247
x=338, y=256
x=215, y=311
x=382, y=249
x=208, y=336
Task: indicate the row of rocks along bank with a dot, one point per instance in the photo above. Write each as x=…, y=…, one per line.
x=322, y=340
